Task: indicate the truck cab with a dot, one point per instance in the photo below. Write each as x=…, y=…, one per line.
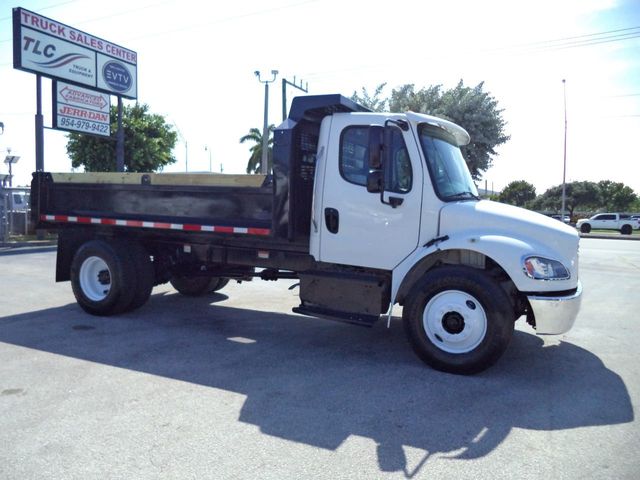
x=393, y=197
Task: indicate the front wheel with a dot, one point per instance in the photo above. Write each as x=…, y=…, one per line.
x=458, y=320
x=585, y=228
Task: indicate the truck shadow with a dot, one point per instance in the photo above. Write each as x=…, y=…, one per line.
x=319, y=383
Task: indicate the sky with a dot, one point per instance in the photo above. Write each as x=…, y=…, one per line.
x=196, y=63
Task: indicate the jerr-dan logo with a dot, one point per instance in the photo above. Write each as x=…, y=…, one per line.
x=117, y=76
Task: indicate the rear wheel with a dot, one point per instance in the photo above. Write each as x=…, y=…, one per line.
x=145, y=275
x=197, y=286
x=458, y=319
x=626, y=230
x=585, y=228
x=103, y=278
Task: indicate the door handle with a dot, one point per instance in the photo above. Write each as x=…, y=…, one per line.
x=332, y=219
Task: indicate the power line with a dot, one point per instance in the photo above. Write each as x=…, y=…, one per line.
x=223, y=20
x=576, y=37
x=48, y=7
x=186, y=27
x=622, y=95
x=590, y=39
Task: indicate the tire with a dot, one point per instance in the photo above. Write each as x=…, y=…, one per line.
x=145, y=275
x=585, y=228
x=197, y=286
x=222, y=282
x=626, y=230
x=458, y=320
x=103, y=277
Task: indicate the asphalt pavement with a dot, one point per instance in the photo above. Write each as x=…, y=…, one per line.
x=236, y=386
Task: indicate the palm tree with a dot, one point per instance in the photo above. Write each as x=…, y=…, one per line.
x=254, y=164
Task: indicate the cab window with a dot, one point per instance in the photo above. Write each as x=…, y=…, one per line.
x=354, y=159
x=354, y=154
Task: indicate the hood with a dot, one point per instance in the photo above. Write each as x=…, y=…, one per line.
x=545, y=235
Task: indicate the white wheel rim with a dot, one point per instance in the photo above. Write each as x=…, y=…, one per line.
x=95, y=279
x=454, y=321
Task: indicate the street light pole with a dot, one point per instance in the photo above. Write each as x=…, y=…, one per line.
x=264, y=167
x=564, y=167
x=206, y=148
x=186, y=147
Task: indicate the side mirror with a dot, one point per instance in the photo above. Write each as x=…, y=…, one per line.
x=375, y=180
x=376, y=147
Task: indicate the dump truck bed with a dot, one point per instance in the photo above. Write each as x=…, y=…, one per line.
x=224, y=204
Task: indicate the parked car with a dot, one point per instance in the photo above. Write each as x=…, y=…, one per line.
x=609, y=221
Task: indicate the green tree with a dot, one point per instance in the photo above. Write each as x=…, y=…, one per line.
x=615, y=196
x=254, y=164
x=519, y=193
x=374, y=102
x=470, y=107
x=148, y=143
x=578, y=196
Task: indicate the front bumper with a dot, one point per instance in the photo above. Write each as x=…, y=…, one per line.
x=555, y=315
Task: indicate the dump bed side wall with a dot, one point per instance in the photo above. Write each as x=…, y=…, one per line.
x=245, y=207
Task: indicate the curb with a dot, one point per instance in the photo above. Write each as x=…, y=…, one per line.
x=610, y=237
x=35, y=243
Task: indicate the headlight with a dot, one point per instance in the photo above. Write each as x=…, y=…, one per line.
x=540, y=268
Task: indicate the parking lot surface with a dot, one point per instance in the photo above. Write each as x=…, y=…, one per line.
x=236, y=386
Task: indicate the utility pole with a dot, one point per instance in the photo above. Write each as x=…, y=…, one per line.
x=264, y=167
x=564, y=168
x=286, y=82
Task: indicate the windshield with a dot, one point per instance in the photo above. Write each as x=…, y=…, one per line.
x=449, y=173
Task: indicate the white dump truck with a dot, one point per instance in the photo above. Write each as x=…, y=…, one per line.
x=368, y=210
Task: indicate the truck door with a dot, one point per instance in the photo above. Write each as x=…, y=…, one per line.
x=369, y=229
x=606, y=221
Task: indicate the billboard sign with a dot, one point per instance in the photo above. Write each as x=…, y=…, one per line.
x=58, y=51
x=79, y=109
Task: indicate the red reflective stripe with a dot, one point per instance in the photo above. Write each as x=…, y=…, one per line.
x=159, y=225
x=258, y=231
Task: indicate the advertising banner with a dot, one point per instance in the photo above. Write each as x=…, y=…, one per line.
x=78, y=109
x=58, y=51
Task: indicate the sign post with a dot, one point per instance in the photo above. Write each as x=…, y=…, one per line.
x=39, y=126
